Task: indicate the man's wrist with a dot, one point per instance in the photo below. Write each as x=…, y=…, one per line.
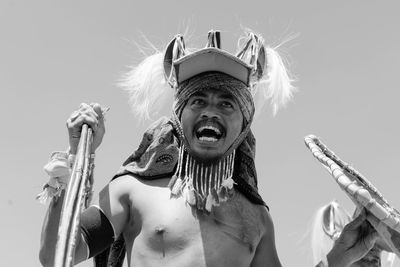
x=71, y=151
x=335, y=260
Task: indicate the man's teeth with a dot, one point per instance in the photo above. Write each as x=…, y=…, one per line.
x=208, y=139
x=209, y=127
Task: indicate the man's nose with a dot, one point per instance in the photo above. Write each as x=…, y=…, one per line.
x=209, y=113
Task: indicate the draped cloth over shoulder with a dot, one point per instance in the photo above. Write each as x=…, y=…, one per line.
x=156, y=158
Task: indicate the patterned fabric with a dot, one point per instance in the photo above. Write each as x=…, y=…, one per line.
x=157, y=154
x=157, y=157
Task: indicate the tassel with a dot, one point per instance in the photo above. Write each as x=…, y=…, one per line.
x=50, y=190
x=201, y=176
x=222, y=194
x=179, y=168
x=204, y=182
x=228, y=183
x=186, y=168
x=177, y=188
x=46, y=194
x=210, y=179
x=199, y=201
x=203, y=186
x=215, y=197
x=190, y=197
x=209, y=203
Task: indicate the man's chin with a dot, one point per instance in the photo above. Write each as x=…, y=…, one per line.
x=206, y=155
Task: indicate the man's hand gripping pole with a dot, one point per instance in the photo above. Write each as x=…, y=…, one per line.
x=74, y=201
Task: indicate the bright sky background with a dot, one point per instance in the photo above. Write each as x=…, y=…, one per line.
x=53, y=56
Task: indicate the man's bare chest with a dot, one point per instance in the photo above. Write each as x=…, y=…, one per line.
x=168, y=226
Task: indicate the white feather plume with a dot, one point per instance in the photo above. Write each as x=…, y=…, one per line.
x=147, y=88
x=276, y=84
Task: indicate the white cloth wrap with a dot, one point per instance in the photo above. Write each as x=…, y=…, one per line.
x=59, y=170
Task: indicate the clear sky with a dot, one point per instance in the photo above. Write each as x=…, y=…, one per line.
x=54, y=55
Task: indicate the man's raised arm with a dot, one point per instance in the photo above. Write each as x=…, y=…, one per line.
x=109, y=208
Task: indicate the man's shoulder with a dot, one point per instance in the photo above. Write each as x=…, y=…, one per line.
x=239, y=197
x=260, y=212
x=137, y=192
x=131, y=181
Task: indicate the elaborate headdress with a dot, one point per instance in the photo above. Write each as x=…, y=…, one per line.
x=255, y=70
x=259, y=66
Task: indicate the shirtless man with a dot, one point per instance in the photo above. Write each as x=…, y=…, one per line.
x=200, y=206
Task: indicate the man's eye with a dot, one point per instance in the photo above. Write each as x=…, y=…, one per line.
x=227, y=104
x=198, y=102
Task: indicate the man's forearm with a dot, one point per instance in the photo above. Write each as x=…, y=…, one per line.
x=49, y=234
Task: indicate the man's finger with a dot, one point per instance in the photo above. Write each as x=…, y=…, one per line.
x=357, y=221
x=74, y=115
x=380, y=241
x=370, y=240
x=373, y=220
x=97, y=108
x=85, y=119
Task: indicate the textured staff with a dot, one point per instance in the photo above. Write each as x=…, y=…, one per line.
x=360, y=191
x=73, y=202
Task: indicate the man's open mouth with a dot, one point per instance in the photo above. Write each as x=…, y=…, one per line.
x=209, y=132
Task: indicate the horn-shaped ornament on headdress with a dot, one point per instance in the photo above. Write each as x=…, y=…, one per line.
x=248, y=66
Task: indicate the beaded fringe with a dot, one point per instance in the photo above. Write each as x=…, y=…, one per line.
x=203, y=185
